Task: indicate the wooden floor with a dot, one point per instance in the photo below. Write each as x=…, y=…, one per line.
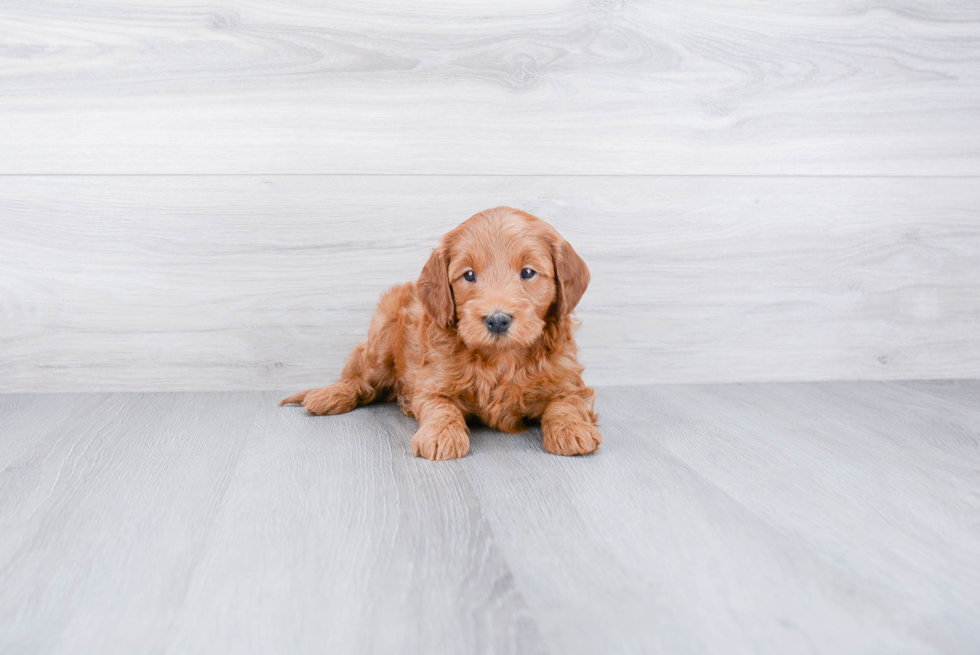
x=782, y=518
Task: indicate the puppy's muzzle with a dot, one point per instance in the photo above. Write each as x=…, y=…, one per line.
x=498, y=322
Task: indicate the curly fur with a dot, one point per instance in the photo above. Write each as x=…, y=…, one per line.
x=429, y=348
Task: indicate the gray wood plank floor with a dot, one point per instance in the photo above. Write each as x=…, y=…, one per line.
x=772, y=518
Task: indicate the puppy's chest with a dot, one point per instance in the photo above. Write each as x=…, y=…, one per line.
x=499, y=399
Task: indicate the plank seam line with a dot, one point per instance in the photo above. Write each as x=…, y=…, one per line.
x=505, y=175
x=542, y=641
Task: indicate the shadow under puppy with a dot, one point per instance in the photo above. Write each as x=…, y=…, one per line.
x=485, y=332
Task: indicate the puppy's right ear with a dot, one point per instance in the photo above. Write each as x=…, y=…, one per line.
x=434, y=290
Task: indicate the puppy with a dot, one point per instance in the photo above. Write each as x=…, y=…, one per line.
x=485, y=333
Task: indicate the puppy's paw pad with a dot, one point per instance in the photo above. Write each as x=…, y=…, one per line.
x=439, y=443
x=335, y=399
x=578, y=438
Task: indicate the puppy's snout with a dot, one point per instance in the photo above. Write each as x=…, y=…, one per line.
x=498, y=322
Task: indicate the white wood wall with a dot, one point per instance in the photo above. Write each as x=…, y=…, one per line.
x=212, y=196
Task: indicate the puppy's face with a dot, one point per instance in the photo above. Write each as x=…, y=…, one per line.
x=499, y=277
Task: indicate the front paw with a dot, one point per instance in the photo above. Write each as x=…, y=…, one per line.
x=441, y=441
x=565, y=437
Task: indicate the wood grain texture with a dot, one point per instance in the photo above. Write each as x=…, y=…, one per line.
x=119, y=502
x=200, y=523
x=540, y=87
x=241, y=282
x=811, y=518
x=765, y=518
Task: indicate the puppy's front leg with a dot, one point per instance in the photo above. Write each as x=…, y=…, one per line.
x=568, y=426
x=442, y=432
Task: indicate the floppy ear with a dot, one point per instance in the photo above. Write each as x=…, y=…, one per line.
x=571, y=276
x=434, y=290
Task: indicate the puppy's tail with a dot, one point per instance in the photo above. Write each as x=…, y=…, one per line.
x=296, y=399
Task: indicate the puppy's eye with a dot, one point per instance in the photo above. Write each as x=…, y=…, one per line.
x=469, y=276
x=527, y=274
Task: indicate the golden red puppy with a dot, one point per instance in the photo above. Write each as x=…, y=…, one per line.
x=484, y=333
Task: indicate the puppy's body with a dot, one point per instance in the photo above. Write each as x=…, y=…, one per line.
x=497, y=347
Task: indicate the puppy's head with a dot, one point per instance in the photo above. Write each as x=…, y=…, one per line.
x=500, y=277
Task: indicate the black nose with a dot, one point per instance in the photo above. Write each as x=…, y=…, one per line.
x=498, y=322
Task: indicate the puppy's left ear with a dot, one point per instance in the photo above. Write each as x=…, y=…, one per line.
x=434, y=290
x=571, y=276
